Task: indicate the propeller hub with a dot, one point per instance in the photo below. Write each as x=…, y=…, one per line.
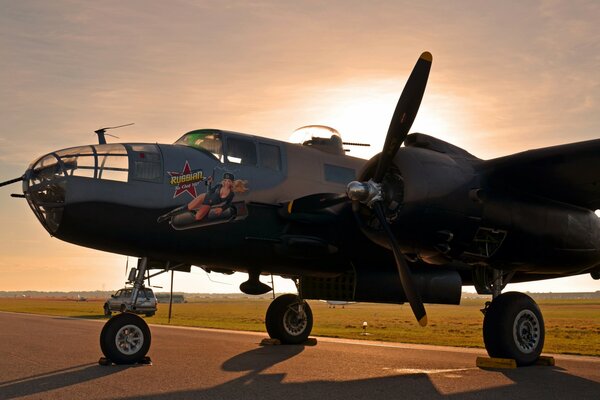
x=364, y=192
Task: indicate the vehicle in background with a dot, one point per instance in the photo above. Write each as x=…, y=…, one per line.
x=121, y=301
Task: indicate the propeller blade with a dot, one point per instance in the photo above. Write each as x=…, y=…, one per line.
x=414, y=299
x=405, y=113
x=9, y=182
x=315, y=202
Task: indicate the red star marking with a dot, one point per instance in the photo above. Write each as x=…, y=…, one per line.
x=184, y=187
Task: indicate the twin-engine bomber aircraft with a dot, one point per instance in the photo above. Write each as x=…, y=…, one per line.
x=413, y=224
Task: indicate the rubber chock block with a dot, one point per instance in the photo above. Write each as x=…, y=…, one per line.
x=504, y=363
x=276, y=342
x=106, y=362
x=270, y=342
x=145, y=361
x=546, y=361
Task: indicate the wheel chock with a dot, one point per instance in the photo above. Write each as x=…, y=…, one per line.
x=145, y=361
x=104, y=361
x=546, y=361
x=107, y=362
x=270, y=342
x=276, y=342
x=490, y=362
x=496, y=363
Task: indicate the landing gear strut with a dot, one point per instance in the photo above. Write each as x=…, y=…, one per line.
x=125, y=338
x=289, y=319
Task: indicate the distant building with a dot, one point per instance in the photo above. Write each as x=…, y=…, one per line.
x=164, y=298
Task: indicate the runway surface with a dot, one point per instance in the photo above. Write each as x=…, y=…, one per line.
x=54, y=357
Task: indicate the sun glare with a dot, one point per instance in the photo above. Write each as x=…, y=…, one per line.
x=362, y=113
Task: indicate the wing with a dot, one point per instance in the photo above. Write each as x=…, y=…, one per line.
x=567, y=173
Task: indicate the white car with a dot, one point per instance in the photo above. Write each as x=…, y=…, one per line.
x=121, y=300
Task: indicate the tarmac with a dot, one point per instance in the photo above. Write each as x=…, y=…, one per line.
x=44, y=357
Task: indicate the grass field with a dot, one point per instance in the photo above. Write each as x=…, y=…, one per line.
x=572, y=326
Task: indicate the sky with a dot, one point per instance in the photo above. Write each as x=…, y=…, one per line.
x=507, y=76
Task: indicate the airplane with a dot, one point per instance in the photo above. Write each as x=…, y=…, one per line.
x=334, y=303
x=414, y=224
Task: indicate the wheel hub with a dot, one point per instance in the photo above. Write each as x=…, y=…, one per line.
x=526, y=331
x=129, y=339
x=294, y=320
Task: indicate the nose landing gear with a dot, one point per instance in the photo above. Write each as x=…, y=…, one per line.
x=125, y=339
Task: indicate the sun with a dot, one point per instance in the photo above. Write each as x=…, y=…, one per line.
x=362, y=113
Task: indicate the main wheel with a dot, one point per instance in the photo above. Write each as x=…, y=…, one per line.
x=513, y=327
x=125, y=339
x=289, y=319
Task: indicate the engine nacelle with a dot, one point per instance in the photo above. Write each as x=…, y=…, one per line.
x=436, y=286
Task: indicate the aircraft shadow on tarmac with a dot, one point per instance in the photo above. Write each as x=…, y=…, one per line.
x=58, y=379
x=529, y=382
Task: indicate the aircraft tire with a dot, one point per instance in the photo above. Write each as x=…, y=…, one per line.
x=283, y=322
x=513, y=327
x=125, y=339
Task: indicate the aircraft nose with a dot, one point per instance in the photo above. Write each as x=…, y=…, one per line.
x=44, y=186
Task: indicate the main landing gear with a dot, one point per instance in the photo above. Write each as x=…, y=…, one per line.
x=289, y=319
x=513, y=326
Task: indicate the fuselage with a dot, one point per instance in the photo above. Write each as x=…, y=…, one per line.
x=109, y=197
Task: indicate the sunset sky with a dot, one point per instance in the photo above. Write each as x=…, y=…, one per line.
x=507, y=76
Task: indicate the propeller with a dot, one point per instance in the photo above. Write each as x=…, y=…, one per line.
x=405, y=113
x=413, y=296
x=371, y=193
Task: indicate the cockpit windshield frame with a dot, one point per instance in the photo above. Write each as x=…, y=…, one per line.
x=208, y=141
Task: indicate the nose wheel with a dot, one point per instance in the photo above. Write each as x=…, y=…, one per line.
x=125, y=339
x=289, y=319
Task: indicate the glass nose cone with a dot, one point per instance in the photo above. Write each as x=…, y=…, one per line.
x=44, y=186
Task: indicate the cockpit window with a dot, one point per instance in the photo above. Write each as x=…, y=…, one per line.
x=146, y=163
x=113, y=162
x=241, y=151
x=270, y=156
x=204, y=139
x=79, y=161
x=107, y=161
